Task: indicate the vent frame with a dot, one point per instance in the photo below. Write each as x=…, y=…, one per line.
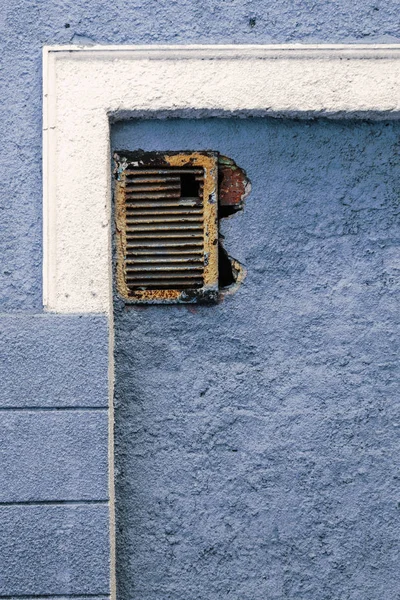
x=128, y=164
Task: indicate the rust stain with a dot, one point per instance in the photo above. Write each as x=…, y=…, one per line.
x=162, y=164
x=156, y=295
x=120, y=220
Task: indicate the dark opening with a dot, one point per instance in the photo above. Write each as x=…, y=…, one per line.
x=225, y=270
x=227, y=275
x=189, y=186
x=227, y=211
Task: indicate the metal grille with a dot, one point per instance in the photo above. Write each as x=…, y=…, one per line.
x=165, y=230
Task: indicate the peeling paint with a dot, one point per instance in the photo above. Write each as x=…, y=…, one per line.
x=234, y=186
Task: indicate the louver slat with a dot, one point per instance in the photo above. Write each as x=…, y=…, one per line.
x=144, y=270
x=166, y=234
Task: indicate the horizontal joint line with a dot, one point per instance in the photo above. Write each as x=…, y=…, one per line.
x=51, y=503
x=28, y=597
x=53, y=408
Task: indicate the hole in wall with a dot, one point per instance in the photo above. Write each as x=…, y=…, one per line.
x=226, y=277
x=159, y=253
x=233, y=188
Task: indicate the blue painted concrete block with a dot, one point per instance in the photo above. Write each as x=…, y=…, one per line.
x=53, y=455
x=52, y=360
x=57, y=550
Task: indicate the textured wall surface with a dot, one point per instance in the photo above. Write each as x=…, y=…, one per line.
x=257, y=440
x=54, y=550
x=268, y=471
x=72, y=349
x=53, y=455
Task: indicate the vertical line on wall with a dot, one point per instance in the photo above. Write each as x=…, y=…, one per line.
x=48, y=173
x=111, y=483
x=111, y=379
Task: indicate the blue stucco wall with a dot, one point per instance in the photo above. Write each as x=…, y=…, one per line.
x=257, y=440
x=290, y=425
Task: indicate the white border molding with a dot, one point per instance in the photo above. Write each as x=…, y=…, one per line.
x=86, y=86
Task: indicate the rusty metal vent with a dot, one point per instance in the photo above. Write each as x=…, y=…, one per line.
x=167, y=231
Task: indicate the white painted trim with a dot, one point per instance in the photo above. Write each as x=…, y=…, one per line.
x=85, y=87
